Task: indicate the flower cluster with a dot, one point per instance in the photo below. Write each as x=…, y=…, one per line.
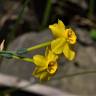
x=64, y=39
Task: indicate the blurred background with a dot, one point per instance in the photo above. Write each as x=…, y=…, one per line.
x=24, y=23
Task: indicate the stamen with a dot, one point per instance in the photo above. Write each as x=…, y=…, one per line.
x=52, y=67
x=70, y=34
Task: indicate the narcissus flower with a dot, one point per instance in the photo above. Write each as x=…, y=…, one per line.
x=46, y=66
x=65, y=38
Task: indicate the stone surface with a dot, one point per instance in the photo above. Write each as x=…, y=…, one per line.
x=84, y=36
x=40, y=89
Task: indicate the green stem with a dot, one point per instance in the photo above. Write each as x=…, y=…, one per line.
x=38, y=46
x=80, y=73
x=91, y=8
x=23, y=58
x=10, y=54
x=77, y=74
x=5, y=52
x=20, y=15
x=46, y=14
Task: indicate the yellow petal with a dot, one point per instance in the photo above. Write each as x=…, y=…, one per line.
x=69, y=54
x=46, y=52
x=44, y=76
x=39, y=70
x=51, y=56
x=37, y=75
x=57, y=45
x=57, y=29
x=39, y=60
x=70, y=35
x=61, y=25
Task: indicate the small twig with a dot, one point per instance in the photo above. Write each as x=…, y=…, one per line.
x=20, y=15
x=46, y=14
x=75, y=74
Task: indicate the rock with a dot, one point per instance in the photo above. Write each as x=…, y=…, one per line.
x=84, y=37
x=92, y=53
x=31, y=88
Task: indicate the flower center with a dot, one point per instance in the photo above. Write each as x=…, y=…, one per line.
x=70, y=34
x=71, y=37
x=52, y=67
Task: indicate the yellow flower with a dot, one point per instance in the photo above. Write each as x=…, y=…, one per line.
x=65, y=38
x=46, y=66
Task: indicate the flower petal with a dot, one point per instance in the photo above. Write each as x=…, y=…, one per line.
x=46, y=51
x=57, y=45
x=39, y=60
x=57, y=29
x=39, y=70
x=69, y=54
x=44, y=76
x=61, y=25
x=37, y=75
x=70, y=35
x=51, y=56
